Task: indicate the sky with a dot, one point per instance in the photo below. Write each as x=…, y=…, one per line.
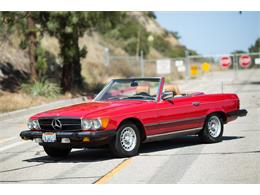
x=213, y=32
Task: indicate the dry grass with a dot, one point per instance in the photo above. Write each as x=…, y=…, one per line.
x=15, y=101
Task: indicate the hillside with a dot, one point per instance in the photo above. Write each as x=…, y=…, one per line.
x=14, y=61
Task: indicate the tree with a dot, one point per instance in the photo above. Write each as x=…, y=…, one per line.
x=175, y=34
x=151, y=14
x=25, y=23
x=238, y=52
x=255, y=47
x=132, y=35
x=31, y=37
x=68, y=27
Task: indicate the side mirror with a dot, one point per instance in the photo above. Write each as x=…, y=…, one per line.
x=167, y=95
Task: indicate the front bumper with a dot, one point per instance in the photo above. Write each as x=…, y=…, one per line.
x=75, y=137
x=237, y=113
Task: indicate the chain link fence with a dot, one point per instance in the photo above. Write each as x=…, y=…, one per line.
x=180, y=68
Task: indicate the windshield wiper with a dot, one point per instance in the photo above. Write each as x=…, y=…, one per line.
x=119, y=97
x=140, y=97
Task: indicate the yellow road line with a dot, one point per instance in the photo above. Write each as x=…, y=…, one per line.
x=113, y=172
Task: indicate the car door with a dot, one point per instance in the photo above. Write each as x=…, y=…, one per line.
x=181, y=113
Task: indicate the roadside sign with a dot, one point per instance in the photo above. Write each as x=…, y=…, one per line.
x=245, y=61
x=180, y=66
x=181, y=69
x=225, y=62
x=194, y=70
x=257, y=61
x=163, y=66
x=205, y=67
x=179, y=63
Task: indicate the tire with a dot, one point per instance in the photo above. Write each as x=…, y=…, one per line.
x=213, y=129
x=127, y=141
x=56, y=152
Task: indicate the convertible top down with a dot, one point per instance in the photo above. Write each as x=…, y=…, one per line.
x=128, y=112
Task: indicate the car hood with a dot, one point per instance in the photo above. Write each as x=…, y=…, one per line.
x=89, y=109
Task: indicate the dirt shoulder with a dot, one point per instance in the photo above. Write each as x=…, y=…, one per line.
x=16, y=101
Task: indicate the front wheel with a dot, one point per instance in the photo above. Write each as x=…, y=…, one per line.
x=213, y=129
x=56, y=152
x=127, y=141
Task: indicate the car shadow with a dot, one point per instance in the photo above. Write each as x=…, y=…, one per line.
x=84, y=155
x=175, y=143
x=103, y=154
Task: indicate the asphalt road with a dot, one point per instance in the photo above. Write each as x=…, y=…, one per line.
x=182, y=160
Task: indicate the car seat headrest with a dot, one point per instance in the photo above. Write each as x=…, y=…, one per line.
x=172, y=88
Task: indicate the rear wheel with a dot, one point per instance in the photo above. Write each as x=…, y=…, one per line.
x=56, y=152
x=213, y=129
x=127, y=141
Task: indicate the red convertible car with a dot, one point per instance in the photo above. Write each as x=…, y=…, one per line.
x=128, y=112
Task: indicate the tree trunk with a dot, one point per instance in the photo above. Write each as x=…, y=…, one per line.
x=66, y=80
x=32, y=45
x=70, y=52
x=67, y=69
x=77, y=78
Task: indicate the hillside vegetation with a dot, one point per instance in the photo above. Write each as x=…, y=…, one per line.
x=65, y=50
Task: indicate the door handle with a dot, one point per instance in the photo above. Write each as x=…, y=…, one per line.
x=195, y=103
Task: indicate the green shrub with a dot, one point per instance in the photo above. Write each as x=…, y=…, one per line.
x=151, y=14
x=161, y=45
x=131, y=35
x=177, y=52
x=41, y=64
x=42, y=88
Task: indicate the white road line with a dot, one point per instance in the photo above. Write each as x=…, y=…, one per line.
x=7, y=139
x=12, y=146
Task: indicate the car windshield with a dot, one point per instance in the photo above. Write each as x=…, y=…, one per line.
x=130, y=89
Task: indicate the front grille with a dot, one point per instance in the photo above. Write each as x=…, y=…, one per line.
x=68, y=124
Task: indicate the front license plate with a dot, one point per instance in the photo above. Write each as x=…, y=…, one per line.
x=49, y=137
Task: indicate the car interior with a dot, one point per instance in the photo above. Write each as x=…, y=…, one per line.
x=146, y=90
x=174, y=89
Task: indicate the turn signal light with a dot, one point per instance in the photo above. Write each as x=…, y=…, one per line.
x=104, y=122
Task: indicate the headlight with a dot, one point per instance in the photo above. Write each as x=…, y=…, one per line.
x=30, y=125
x=94, y=124
x=33, y=124
x=86, y=124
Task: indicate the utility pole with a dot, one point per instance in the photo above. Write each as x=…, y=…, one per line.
x=235, y=64
x=138, y=42
x=106, y=56
x=142, y=63
x=187, y=65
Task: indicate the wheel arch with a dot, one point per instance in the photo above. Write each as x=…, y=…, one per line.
x=220, y=113
x=139, y=125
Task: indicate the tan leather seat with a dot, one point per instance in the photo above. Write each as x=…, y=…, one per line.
x=142, y=89
x=173, y=88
